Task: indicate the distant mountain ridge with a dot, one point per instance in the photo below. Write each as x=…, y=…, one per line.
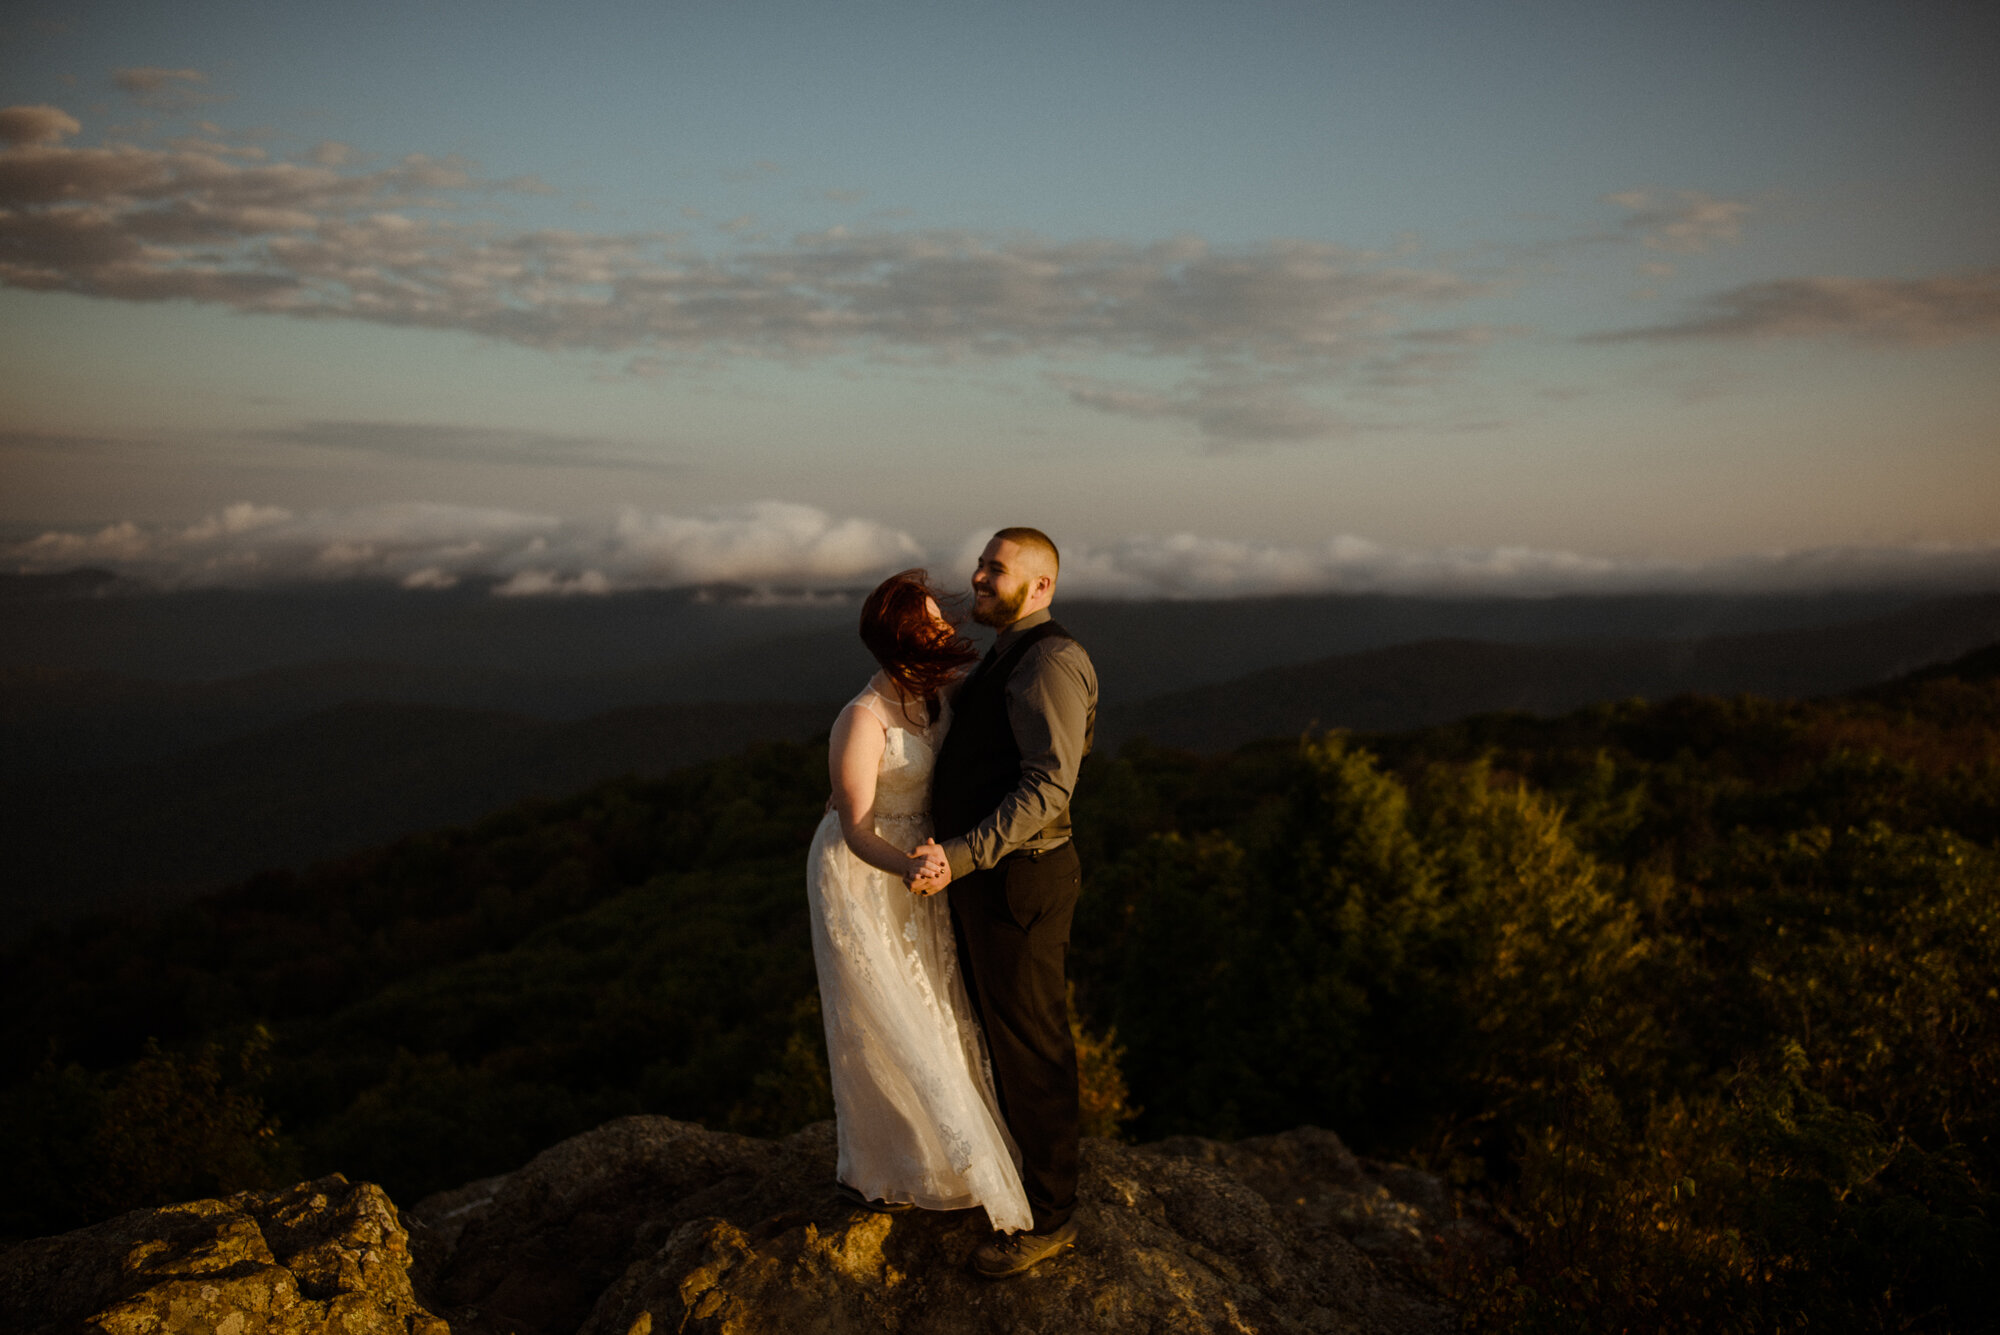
x=89, y=681
x=117, y=786
x=208, y=634
x=1421, y=684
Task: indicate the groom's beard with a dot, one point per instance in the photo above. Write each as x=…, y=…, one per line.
x=999, y=612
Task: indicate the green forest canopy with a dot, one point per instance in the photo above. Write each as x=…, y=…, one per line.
x=1701, y=993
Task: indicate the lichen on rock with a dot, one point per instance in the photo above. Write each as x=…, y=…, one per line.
x=324, y=1256
x=1188, y=1235
x=651, y=1225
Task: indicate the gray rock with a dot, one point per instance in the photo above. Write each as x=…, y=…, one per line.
x=648, y=1224
x=325, y=1256
x=531, y=1251
x=696, y=1231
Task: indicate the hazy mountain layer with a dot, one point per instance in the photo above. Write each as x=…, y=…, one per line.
x=106, y=680
x=114, y=786
x=1418, y=685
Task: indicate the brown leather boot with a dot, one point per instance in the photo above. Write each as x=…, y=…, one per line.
x=1018, y=1253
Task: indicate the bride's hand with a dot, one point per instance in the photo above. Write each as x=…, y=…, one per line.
x=927, y=864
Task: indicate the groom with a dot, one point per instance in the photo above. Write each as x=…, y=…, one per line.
x=1000, y=795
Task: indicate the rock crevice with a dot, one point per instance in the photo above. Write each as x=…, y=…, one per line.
x=647, y=1224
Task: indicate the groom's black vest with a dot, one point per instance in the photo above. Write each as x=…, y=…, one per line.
x=981, y=763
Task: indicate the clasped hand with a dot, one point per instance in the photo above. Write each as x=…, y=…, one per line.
x=929, y=871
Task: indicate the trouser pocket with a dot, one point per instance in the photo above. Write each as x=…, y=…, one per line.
x=1041, y=892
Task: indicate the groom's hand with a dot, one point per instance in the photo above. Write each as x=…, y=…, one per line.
x=926, y=860
x=929, y=871
x=926, y=864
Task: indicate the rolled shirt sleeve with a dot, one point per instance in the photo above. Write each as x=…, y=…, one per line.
x=1052, y=708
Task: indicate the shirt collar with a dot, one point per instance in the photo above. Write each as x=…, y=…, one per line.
x=1020, y=628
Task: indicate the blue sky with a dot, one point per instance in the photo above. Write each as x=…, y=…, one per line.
x=1228, y=298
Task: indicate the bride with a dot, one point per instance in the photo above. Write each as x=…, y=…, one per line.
x=912, y=1088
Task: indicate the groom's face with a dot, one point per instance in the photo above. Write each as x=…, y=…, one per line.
x=1001, y=583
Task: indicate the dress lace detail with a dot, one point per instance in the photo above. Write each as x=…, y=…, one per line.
x=912, y=1085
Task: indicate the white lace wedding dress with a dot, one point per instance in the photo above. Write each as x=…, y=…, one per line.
x=912, y=1087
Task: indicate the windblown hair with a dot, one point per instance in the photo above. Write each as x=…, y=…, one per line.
x=918, y=655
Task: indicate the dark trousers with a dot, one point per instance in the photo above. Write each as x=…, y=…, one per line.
x=1012, y=924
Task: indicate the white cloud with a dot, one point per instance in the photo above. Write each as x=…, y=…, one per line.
x=123, y=543
x=794, y=550
x=232, y=520
x=770, y=542
x=1945, y=308
x=1190, y=566
x=545, y=584
x=432, y=546
x=430, y=577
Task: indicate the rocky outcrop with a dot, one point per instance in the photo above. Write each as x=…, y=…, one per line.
x=530, y=1253
x=650, y=1225
x=327, y=1256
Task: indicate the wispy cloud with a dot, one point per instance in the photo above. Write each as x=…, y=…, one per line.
x=332, y=153
x=1680, y=222
x=1228, y=412
x=502, y=445
x=159, y=89
x=1907, y=311
x=316, y=239
x=56, y=442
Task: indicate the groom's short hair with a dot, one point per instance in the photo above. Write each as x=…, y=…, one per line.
x=1035, y=540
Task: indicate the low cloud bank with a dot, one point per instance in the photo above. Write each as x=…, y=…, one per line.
x=432, y=546
x=775, y=545
x=1187, y=566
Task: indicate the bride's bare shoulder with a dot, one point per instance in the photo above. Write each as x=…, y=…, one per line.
x=876, y=701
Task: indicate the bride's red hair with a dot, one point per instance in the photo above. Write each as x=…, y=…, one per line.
x=917, y=653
